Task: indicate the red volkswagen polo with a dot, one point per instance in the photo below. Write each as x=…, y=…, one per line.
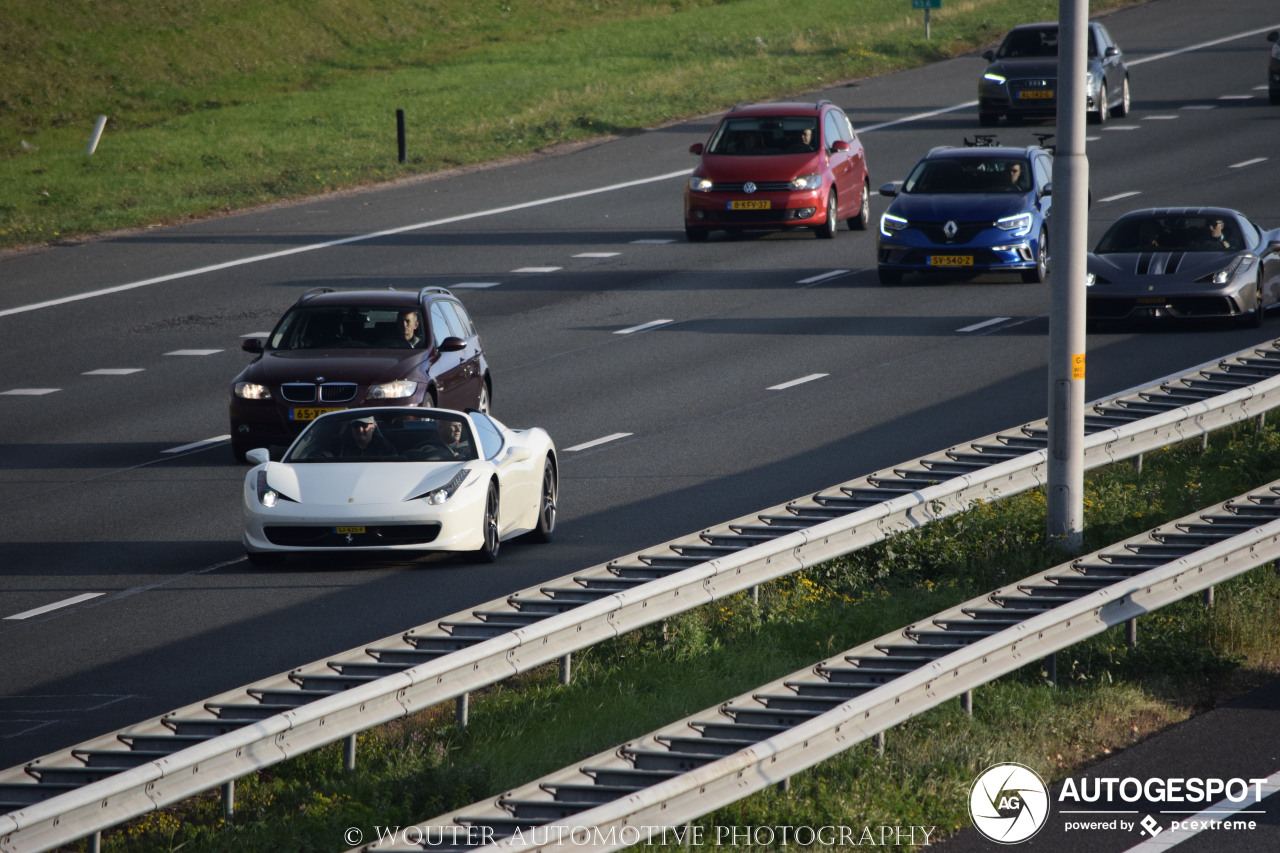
x=779, y=166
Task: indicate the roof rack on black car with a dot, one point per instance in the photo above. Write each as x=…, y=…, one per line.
x=315, y=291
x=433, y=289
x=981, y=140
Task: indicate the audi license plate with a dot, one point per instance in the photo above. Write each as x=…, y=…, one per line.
x=1036, y=94
x=754, y=204
x=301, y=414
x=951, y=260
x=341, y=530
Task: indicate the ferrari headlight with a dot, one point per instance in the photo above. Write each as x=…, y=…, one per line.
x=700, y=185
x=267, y=496
x=1019, y=225
x=890, y=223
x=252, y=391
x=806, y=182
x=1224, y=276
x=993, y=77
x=442, y=494
x=392, y=390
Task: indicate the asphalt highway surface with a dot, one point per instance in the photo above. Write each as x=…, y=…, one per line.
x=123, y=588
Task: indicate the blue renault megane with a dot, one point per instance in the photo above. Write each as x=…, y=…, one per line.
x=980, y=208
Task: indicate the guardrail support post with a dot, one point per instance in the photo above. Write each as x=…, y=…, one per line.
x=880, y=744
x=966, y=702
x=1131, y=632
x=755, y=595
x=463, y=706
x=1137, y=464
x=1204, y=442
x=1051, y=667
x=93, y=844
x=566, y=669
x=784, y=787
x=349, y=753
x=1208, y=597
x=229, y=799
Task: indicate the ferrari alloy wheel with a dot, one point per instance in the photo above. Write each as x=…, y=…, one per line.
x=488, y=552
x=863, y=219
x=1259, y=313
x=1041, y=270
x=547, y=503
x=827, y=229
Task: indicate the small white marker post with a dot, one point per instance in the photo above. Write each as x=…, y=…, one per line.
x=98, y=127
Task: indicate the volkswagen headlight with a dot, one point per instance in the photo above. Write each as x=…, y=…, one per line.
x=700, y=185
x=1019, y=225
x=806, y=182
x=392, y=390
x=252, y=391
x=889, y=223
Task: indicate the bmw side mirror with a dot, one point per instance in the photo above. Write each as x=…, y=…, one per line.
x=890, y=190
x=452, y=344
x=258, y=456
x=696, y=148
x=253, y=345
x=989, y=55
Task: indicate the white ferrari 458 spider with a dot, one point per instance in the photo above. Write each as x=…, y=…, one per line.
x=401, y=479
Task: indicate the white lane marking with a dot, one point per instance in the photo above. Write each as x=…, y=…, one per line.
x=598, y=442
x=1261, y=88
x=1236, y=97
x=28, y=392
x=823, y=277
x=1119, y=196
x=795, y=382
x=976, y=326
x=1092, y=138
x=357, y=238
x=194, y=352
x=57, y=605
x=1199, y=46
x=1222, y=810
x=473, y=285
x=217, y=439
x=1121, y=127
x=1199, y=107
x=256, y=335
x=539, y=270
x=662, y=242
x=112, y=371
x=643, y=327
x=1255, y=161
x=966, y=105
x=1159, y=118
x=597, y=254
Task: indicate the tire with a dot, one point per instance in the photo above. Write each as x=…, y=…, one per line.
x=1259, y=314
x=432, y=401
x=239, y=450
x=988, y=119
x=1122, y=109
x=488, y=552
x=827, y=229
x=889, y=276
x=695, y=235
x=266, y=559
x=1099, y=116
x=1040, y=271
x=863, y=219
x=547, y=504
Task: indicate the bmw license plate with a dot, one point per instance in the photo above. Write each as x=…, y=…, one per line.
x=301, y=414
x=754, y=204
x=1036, y=94
x=341, y=530
x=951, y=260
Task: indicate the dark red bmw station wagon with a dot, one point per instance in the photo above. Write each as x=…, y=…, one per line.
x=779, y=166
x=345, y=349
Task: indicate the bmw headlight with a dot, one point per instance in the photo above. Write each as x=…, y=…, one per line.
x=1019, y=225
x=889, y=223
x=435, y=497
x=806, y=182
x=993, y=77
x=700, y=185
x=392, y=390
x=252, y=391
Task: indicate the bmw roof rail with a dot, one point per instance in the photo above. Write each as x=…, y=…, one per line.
x=433, y=289
x=981, y=140
x=315, y=291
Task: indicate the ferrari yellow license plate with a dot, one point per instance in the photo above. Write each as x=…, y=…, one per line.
x=1036, y=95
x=341, y=530
x=951, y=260
x=754, y=204
x=309, y=414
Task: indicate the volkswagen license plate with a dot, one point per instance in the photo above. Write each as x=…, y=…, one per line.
x=754, y=204
x=302, y=414
x=951, y=260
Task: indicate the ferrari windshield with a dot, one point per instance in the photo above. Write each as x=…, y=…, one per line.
x=347, y=327
x=969, y=175
x=1171, y=233
x=411, y=435
x=763, y=135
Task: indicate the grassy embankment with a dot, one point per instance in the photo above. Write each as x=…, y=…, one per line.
x=227, y=104
x=1108, y=695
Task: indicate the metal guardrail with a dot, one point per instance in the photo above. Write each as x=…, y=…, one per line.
x=720, y=755
x=75, y=792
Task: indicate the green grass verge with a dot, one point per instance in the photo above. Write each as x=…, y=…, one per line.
x=234, y=103
x=1108, y=695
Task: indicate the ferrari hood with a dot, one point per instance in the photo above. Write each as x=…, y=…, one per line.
x=1179, y=266
x=962, y=207
x=319, y=483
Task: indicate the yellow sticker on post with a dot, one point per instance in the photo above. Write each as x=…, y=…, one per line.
x=1077, y=366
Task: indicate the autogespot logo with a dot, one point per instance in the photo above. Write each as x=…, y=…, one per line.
x=1009, y=803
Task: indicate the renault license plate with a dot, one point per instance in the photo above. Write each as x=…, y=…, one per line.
x=951, y=260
